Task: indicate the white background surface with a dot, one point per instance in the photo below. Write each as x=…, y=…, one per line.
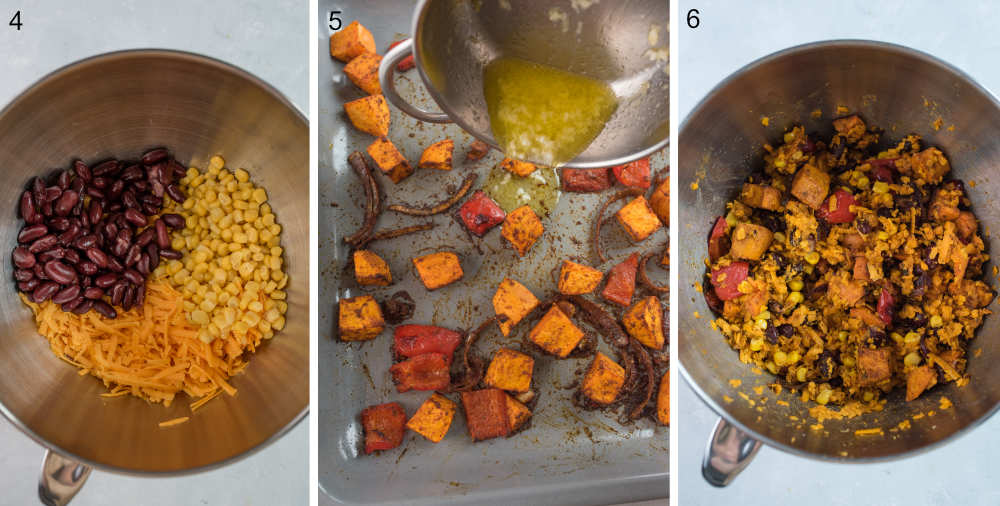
x=269, y=38
x=732, y=34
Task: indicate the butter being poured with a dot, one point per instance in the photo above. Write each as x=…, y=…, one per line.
x=542, y=114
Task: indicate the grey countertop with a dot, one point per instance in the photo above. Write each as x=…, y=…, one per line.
x=266, y=37
x=731, y=35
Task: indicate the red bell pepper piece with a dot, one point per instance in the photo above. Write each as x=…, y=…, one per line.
x=384, y=426
x=634, y=174
x=621, y=281
x=886, y=304
x=842, y=214
x=726, y=280
x=429, y=371
x=585, y=180
x=718, y=240
x=883, y=169
x=412, y=340
x=481, y=213
x=406, y=63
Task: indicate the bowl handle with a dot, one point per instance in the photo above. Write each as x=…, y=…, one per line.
x=729, y=452
x=61, y=479
x=386, y=74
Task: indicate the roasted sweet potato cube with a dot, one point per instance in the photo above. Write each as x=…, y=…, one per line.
x=363, y=71
x=360, y=318
x=512, y=302
x=522, y=228
x=369, y=114
x=638, y=219
x=510, y=370
x=851, y=127
x=518, y=167
x=873, y=366
x=860, y=271
x=517, y=413
x=749, y=241
x=433, y=419
x=966, y=225
x=659, y=201
x=438, y=269
x=604, y=380
x=437, y=155
x=845, y=292
x=663, y=400
x=760, y=196
x=811, y=185
x=486, y=413
x=556, y=333
x=389, y=159
x=383, y=426
x=578, y=279
x=370, y=269
x=477, y=150
x=918, y=380
x=930, y=165
x=644, y=322
x=351, y=41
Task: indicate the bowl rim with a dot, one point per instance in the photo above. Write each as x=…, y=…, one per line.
x=205, y=60
x=796, y=49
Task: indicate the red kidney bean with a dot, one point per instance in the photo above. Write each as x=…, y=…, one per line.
x=71, y=255
x=155, y=172
x=31, y=232
x=136, y=218
x=52, y=254
x=29, y=285
x=52, y=193
x=28, y=210
x=154, y=262
x=60, y=272
x=93, y=292
x=77, y=185
x=94, y=192
x=129, y=299
x=38, y=188
x=86, y=282
x=154, y=155
x=45, y=207
x=153, y=250
x=71, y=305
x=141, y=186
x=175, y=193
x=174, y=221
x=117, y=293
x=101, y=182
x=23, y=274
x=84, y=306
x=143, y=264
x=108, y=167
x=116, y=189
x=162, y=236
x=171, y=254
x=98, y=257
x=105, y=309
x=110, y=230
x=85, y=242
x=129, y=200
x=133, y=276
x=44, y=291
x=43, y=243
x=115, y=265
x=60, y=224
x=67, y=237
x=145, y=237
x=132, y=173
x=63, y=179
x=66, y=202
x=87, y=268
x=66, y=294
x=140, y=295
x=119, y=247
x=106, y=280
x=176, y=170
x=157, y=188
x=133, y=255
x=39, y=271
x=82, y=171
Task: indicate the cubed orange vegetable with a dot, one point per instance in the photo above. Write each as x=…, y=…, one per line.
x=638, y=219
x=363, y=71
x=517, y=413
x=578, y=279
x=518, y=167
x=438, y=269
x=512, y=302
x=749, y=241
x=556, y=333
x=370, y=269
x=522, y=228
x=510, y=370
x=434, y=417
x=360, y=318
x=437, y=155
x=811, y=185
x=764, y=197
x=351, y=41
x=659, y=201
x=663, y=400
x=644, y=322
x=369, y=114
x=604, y=380
x=389, y=159
x=486, y=413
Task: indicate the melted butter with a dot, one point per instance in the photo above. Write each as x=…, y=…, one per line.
x=542, y=114
x=540, y=189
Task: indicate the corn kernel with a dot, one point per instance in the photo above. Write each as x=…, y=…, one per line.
x=801, y=373
x=796, y=285
x=795, y=297
x=278, y=324
x=242, y=175
x=936, y=321
x=780, y=357
x=812, y=257
x=912, y=359
x=824, y=397
x=756, y=344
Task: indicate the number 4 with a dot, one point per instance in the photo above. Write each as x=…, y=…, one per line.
x=16, y=21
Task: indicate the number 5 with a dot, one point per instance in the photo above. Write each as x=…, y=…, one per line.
x=335, y=19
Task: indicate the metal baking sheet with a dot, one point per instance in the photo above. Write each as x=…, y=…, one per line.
x=567, y=456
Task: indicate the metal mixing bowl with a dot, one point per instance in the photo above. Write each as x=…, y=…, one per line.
x=119, y=105
x=899, y=89
x=607, y=41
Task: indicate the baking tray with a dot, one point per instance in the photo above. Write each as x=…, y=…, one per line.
x=567, y=456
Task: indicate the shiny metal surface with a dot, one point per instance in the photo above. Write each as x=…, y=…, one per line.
x=608, y=41
x=896, y=88
x=61, y=478
x=120, y=104
x=729, y=452
x=568, y=455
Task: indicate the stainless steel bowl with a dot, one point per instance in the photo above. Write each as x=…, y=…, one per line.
x=899, y=89
x=608, y=41
x=120, y=104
